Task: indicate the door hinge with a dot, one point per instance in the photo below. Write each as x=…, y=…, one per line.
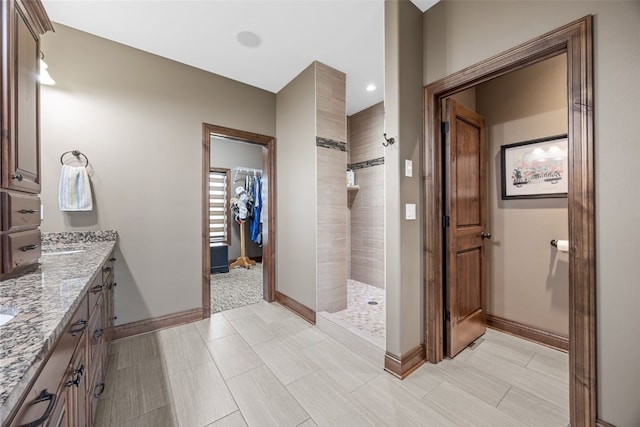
x=447, y=315
x=445, y=221
x=444, y=126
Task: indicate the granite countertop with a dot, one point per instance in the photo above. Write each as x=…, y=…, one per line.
x=45, y=300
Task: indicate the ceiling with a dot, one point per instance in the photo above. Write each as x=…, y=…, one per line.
x=344, y=34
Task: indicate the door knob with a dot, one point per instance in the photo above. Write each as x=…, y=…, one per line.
x=485, y=235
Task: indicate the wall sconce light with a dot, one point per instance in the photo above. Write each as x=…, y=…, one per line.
x=45, y=78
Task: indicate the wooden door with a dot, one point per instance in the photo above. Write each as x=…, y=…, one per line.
x=465, y=227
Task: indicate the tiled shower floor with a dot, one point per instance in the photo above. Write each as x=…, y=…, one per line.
x=368, y=318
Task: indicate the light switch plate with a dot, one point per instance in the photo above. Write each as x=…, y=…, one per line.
x=408, y=168
x=410, y=211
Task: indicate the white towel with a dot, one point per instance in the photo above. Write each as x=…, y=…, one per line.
x=75, y=189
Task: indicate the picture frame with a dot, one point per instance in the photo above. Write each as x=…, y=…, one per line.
x=535, y=169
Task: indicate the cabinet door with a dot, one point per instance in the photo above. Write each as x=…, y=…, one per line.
x=76, y=387
x=59, y=416
x=21, y=106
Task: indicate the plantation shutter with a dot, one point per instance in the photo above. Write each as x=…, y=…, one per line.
x=219, y=215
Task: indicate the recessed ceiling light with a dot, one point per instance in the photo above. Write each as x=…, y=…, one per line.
x=371, y=88
x=248, y=39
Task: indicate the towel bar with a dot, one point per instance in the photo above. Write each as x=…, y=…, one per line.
x=77, y=154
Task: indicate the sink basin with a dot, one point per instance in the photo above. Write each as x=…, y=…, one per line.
x=6, y=314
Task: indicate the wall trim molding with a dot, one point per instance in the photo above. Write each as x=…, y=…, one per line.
x=155, y=324
x=528, y=332
x=600, y=423
x=403, y=365
x=300, y=309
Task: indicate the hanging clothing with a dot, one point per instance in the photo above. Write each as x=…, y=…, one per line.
x=256, y=226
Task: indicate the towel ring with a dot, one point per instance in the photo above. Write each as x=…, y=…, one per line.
x=77, y=154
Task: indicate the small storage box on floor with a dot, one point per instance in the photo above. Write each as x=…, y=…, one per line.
x=219, y=259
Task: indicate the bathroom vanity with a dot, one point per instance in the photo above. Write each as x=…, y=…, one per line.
x=54, y=342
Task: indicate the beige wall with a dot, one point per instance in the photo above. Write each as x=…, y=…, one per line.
x=403, y=120
x=138, y=117
x=296, y=214
x=460, y=33
x=466, y=97
x=366, y=205
x=229, y=153
x=528, y=278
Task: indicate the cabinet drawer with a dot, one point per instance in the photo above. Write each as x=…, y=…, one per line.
x=22, y=248
x=44, y=393
x=19, y=211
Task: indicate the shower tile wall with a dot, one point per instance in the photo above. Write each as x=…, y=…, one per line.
x=331, y=155
x=366, y=205
x=332, y=230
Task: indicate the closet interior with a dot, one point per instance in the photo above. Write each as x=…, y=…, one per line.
x=235, y=223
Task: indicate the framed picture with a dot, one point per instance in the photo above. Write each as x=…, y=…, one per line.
x=535, y=169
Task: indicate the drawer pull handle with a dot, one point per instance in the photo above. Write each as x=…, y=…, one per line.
x=99, y=393
x=29, y=248
x=96, y=289
x=98, y=333
x=75, y=382
x=82, y=326
x=19, y=177
x=26, y=211
x=105, y=269
x=112, y=259
x=79, y=372
x=44, y=396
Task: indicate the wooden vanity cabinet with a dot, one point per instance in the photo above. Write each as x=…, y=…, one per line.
x=67, y=390
x=22, y=22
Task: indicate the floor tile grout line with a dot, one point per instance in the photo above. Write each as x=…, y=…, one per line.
x=504, y=395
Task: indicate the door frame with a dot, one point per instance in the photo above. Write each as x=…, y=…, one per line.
x=268, y=228
x=576, y=40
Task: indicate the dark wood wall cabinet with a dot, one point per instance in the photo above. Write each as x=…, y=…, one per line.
x=22, y=24
x=66, y=391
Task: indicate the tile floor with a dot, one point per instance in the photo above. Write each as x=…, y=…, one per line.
x=261, y=365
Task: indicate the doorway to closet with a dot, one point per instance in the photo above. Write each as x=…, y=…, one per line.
x=237, y=219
